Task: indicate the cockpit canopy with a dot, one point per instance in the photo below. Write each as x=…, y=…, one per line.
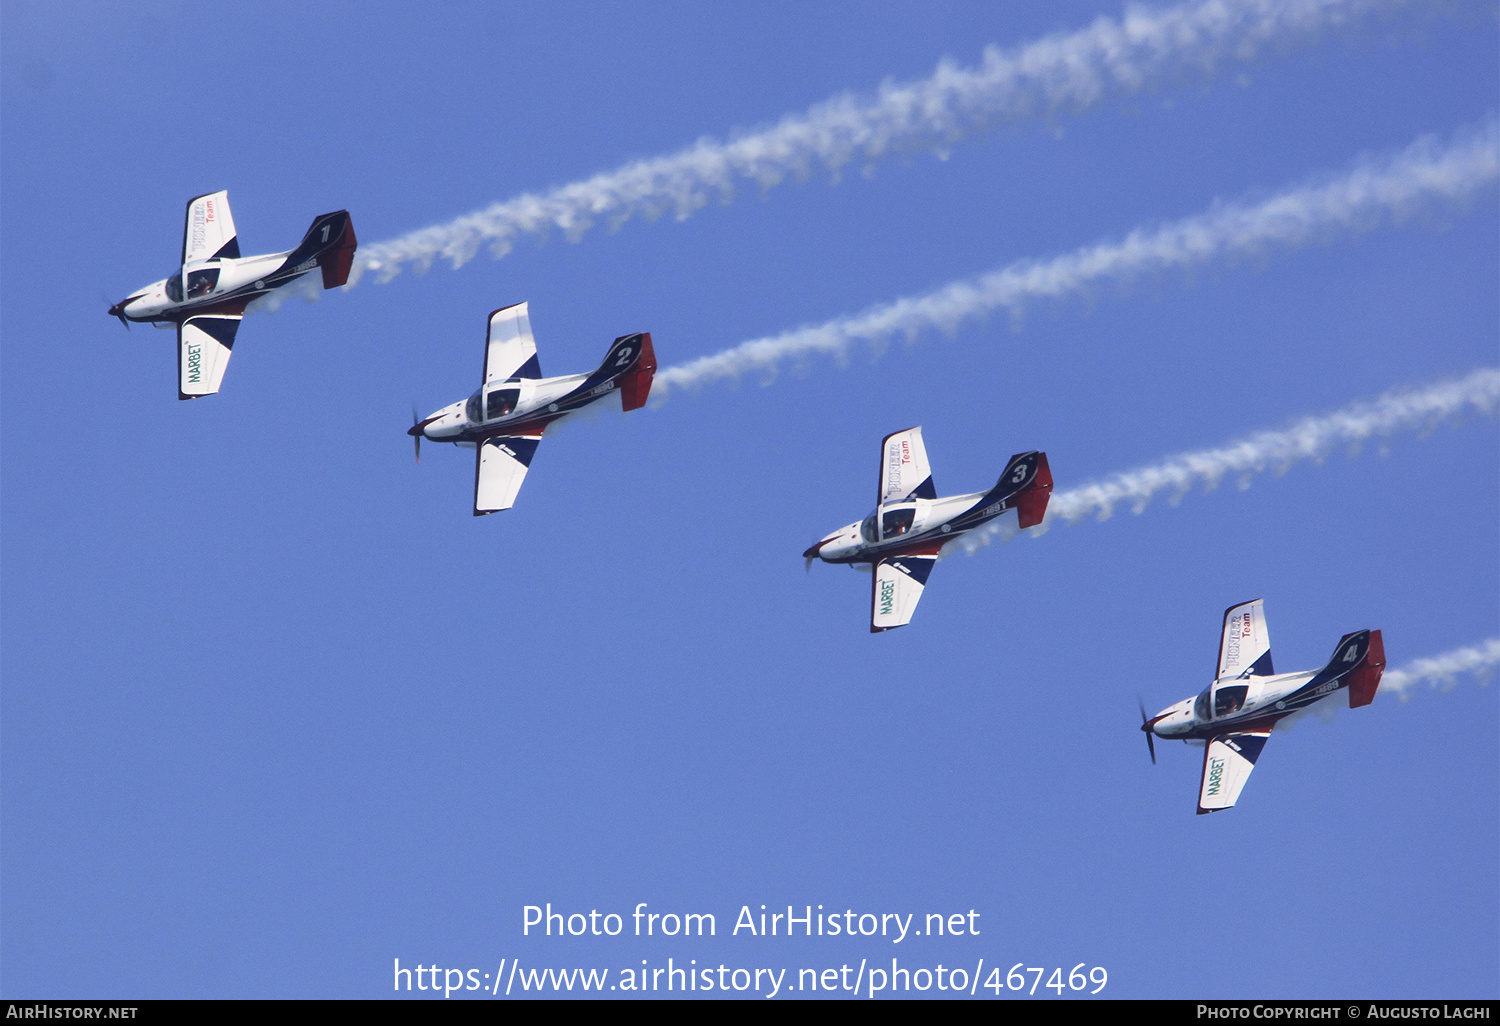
x=492, y=402
x=174, y=286
x=1227, y=700
x=894, y=521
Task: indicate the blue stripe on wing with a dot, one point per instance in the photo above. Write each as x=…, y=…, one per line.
x=916, y=567
x=1247, y=745
x=520, y=447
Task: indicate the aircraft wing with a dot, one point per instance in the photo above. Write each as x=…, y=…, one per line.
x=500, y=467
x=1245, y=643
x=896, y=588
x=1227, y=762
x=203, y=347
x=904, y=472
x=511, y=351
x=209, y=231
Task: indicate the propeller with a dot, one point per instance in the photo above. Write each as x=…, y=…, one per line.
x=1146, y=726
x=118, y=310
x=416, y=431
x=811, y=554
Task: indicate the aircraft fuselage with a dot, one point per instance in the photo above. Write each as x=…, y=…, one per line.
x=206, y=285
x=1265, y=700
x=903, y=527
x=536, y=403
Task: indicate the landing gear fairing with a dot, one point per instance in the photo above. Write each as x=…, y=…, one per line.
x=1233, y=716
x=504, y=420
x=206, y=296
x=910, y=525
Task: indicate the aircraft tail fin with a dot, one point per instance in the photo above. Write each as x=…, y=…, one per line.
x=1025, y=486
x=1031, y=504
x=628, y=367
x=1357, y=664
x=330, y=243
x=337, y=258
x=1366, y=679
x=635, y=386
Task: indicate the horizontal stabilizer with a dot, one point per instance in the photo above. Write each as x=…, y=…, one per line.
x=1227, y=762
x=204, y=344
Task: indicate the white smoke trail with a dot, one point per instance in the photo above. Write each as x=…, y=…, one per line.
x=1311, y=438
x=1394, y=186
x=1066, y=71
x=1443, y=672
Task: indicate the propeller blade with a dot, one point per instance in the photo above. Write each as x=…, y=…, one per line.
x=416, y=432
x=812, y=554
x=1146, y=726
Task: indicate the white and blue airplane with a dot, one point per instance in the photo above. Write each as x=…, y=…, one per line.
x=206, y=296
x=504, y=420
x=1233, y=716
x=901, y=540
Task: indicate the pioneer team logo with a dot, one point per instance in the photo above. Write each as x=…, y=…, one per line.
x=1237, y=631
x=898, y=456
x=198, y=233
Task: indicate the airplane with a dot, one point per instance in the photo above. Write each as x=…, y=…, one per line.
x=1233, y=716
x=206, y=296
x=504, y=420
x=901, y=539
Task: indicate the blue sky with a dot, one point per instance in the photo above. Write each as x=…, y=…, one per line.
x=278, y=709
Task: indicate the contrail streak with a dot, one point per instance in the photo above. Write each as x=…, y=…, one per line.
x=1443, y=672
x=1062, y=72
x=1391, y=187
x=1311, y=438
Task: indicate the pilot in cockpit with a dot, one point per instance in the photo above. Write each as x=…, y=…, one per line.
x=199, y=285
